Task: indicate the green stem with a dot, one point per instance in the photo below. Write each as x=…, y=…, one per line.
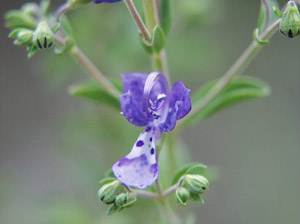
x=159, y=60
x=138, y=20
x=83, y=60
x=236, y=69
x=159, y=63
x=172, y=217
x=151, y=13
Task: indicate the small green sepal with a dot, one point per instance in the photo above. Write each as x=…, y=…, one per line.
x=197, y=198
x=277, y=11
x=122, y=199
x=182, y=195
x=43, y=36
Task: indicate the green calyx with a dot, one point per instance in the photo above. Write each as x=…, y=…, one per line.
x=182, y=195
x=23, y=37
x=290, y=21
x=196, y=184
x=43, y=36
x=108, y=192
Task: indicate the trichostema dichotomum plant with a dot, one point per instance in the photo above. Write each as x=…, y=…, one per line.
x=148, y=99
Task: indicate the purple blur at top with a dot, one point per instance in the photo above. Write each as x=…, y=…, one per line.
x=148, y=102
x=106, y=1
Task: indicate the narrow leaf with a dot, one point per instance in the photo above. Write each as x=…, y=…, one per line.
x=91, y=90
x=166, y=18
x=239, y=90
x=192, y=168
x=158, y=38
x=106, y=181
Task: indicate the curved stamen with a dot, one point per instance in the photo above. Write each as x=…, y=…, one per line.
x=149, y=105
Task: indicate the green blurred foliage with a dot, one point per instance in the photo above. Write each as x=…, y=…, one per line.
x=93, y=137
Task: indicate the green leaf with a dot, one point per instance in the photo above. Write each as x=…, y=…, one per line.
x=55, y=28
x=112, y=209
x=106, y=181
x=166, y=18
x=192, y=168
x=263, y=21
x=109, y=173
x=31, y=52
x=66, y=25
x=198, y=169
x=92, y=90
x=239, y=90
x=19, y=19
x=158, y=39
x=44, y=6
x=69, y=44
x=197, y=198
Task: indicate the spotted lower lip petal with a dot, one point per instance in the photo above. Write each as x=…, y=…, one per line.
x=139, y=168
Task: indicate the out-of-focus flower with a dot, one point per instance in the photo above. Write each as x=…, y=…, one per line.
x=147, y=102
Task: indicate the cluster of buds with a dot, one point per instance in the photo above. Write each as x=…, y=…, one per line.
x=113, y=193
x=192, y=187
x=290, y=20
x=30, y=27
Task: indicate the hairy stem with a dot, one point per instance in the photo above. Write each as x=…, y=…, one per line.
x=82, y=59
x=138, y=20
x=61, y=10
x=236, y=69
x=86, y=63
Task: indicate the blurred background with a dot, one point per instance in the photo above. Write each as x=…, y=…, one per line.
x=54, y=148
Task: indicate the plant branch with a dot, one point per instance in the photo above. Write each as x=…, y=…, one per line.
x=236, y=69
x=268, y=12
x=138, y=20
x=160, y=194
x=83, y=60
x=61, y=10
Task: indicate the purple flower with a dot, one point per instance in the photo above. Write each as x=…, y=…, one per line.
x=147, y=102
x=106, y=1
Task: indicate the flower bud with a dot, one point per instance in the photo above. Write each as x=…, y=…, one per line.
x=24, y=36
x=122, y=199
x=196, y=184
x=19, y=19
x=43, y=36
x=108, y=192
x=182, y=195
x=290, y=21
